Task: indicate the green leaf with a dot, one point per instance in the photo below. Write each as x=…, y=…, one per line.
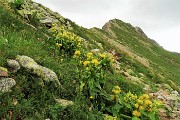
x=81, y=85
x=135, y=118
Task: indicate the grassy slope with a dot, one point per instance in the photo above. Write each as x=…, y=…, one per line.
x=166, y=61
x=34, y=100
x=163, y=63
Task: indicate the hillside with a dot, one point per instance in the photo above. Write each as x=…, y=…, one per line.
x=52, y=68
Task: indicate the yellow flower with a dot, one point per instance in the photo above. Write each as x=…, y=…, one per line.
x=116, y=91
x=147, y=102
x=86, y=63
x=89, y=55
x=95, y=62
x=136, y=105
x=58, y=45
x=112, y=60
x=141, y=108
x=77, y=52
x=91, y=97
x=150, y=109
x=102, y=55
x=139, y=101
x=115, y=118
x=59, y=34
x=146, y=96
x=134, y=97
x=136, y=113
x=141, y=97
x=117, y=88
x=79, y=45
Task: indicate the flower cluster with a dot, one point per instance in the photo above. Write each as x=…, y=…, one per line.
x=66, y=42
x=116, y=91
x=144, y=104
x=92, y=73
x=77, y=53
x=138, y=106
x=129, y=97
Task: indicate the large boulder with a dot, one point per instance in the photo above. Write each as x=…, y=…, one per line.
x=3, y=72
x=30, y=65
x=6, y=84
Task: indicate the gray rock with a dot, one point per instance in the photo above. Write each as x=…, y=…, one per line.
x=6, y=84
x=3, y=72
x=64, y=102
x=175, y=93
x=140, y=31
x=13, y=64
x=47, y=21
x=30, y=65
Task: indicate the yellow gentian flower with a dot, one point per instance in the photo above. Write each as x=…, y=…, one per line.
x=136, y=113
x=77, y=52
x=86, y=63
x=95, y=62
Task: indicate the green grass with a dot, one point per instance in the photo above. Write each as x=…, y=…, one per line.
x=36, y=101
x=167, y=62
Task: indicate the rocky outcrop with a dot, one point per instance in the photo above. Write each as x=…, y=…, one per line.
x=171, y=100
x=31, y=10
x=140, y=31
x=6, y=84
x=31, y=66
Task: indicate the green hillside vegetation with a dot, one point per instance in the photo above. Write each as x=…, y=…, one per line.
x=103, y=71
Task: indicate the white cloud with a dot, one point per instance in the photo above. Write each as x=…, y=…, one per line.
x=158, y=18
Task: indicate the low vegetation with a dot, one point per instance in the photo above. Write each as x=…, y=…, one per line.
x=88, y=78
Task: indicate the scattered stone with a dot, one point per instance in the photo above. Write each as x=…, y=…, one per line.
x=130, y=71
x=47, y=21
x=141, y=74
x=126, y=74
x=30, y=65
x=64, y=102
x=95, y=50
x=6, y=84
x=170, y=100
x=146, y=88
x=100, y=46
x=13, y=64
x=3, y=72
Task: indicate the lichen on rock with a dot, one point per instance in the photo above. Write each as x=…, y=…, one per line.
x=30, y=65
x=6, y=84
x=13, y=64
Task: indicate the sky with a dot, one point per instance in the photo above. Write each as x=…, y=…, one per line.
x=159, y=19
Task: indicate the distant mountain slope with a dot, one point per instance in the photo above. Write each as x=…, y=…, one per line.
x=132, y=41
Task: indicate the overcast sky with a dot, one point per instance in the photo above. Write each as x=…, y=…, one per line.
x=159, y=19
